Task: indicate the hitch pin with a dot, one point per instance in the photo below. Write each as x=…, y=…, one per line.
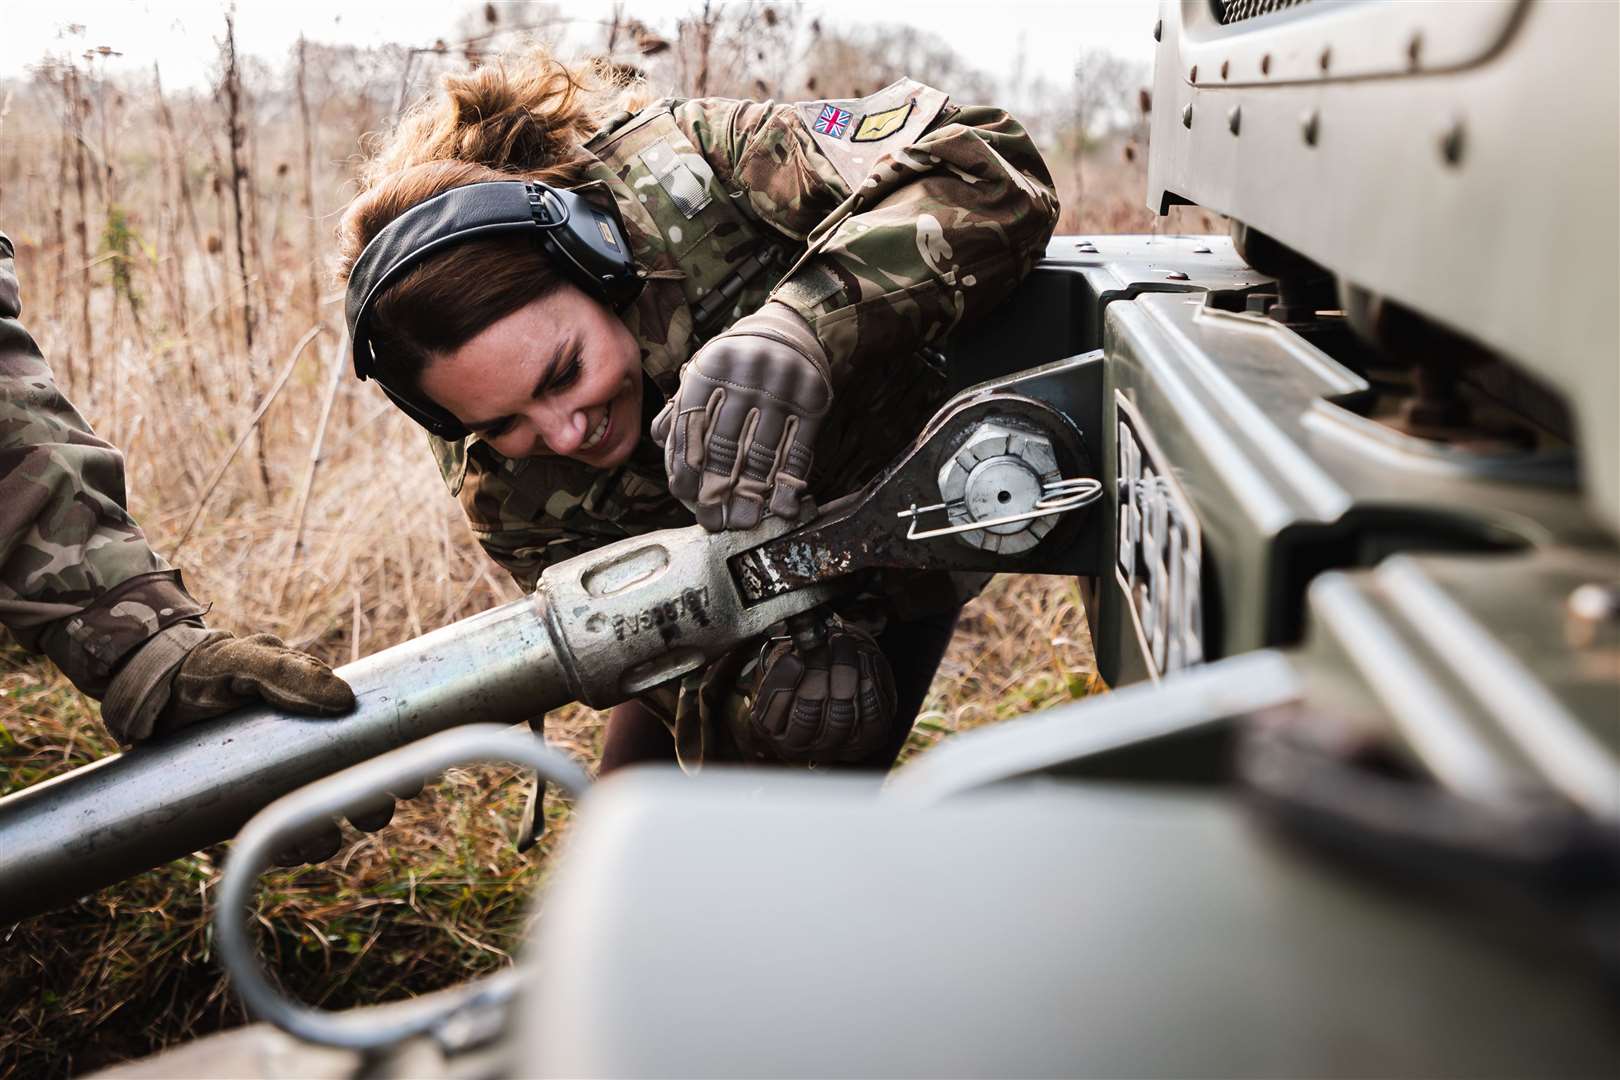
x=1057, y=497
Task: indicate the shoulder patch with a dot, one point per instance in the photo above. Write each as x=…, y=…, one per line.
x=832, y=121
x=892, y=117
x=880, y=125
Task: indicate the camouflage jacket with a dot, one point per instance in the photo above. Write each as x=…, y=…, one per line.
x=886, y=222
x=78, y=580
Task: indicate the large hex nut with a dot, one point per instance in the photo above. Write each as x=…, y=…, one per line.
x=1001, y=468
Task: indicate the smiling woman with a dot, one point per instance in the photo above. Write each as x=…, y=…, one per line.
x=560, y=375
x=762, y=274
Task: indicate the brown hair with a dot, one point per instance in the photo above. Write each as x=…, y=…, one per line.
x=493, y=123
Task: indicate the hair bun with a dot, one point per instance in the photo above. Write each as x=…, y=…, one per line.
x=529, y=115
x=516, y=122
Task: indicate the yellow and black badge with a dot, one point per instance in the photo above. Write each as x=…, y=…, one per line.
x=853, y=135
x=881, y=125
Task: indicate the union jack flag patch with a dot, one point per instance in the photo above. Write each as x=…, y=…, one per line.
x=833, y=121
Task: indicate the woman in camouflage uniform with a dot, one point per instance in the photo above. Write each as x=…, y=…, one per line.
x=797, y=260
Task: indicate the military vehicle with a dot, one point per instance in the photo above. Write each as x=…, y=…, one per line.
x=1342, y=491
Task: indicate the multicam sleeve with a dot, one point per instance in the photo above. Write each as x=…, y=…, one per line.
x=916, y=215
x=78, y=580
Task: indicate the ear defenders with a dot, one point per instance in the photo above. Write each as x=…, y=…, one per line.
x=587, y=245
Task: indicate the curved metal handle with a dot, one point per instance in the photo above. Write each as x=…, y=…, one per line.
x=251, y=855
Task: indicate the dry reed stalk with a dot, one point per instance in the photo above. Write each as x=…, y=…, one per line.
x=307, y=143
x=188, y=214
x=82, y=227
x=706, y=22
x=174, y=176
x=405, y=80
x=233, y=117
x=407, y=573
x=107, y=182
x=59, y=240
x=252, y=426
x=216, y=245
x=339, y=364
x=354, y=629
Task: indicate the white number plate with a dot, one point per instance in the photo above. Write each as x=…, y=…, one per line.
x=1160, y=551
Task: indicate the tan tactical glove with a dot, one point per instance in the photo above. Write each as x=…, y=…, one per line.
x=187, y=673
x=829, y=703
x=739, y=434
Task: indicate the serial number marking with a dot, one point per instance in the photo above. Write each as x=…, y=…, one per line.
x=1160, y=551
x=666, y=616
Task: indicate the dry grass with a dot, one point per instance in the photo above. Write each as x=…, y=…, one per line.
x=123, y=208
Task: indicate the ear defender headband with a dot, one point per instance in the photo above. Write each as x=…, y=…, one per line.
x=587, y=245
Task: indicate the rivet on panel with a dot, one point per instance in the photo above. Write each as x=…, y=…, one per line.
x=1325, y=61
x=1265, y=64
x=1226, y=66
x=1192, y=76
x=1453, y=143
x=1234, y=119
x=1186, y=115
x=1310, y=126
x=1592, y=608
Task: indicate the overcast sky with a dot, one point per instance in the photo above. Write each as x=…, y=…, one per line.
x=180, y=34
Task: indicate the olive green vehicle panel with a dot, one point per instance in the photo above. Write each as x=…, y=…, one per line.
x=1463, y=159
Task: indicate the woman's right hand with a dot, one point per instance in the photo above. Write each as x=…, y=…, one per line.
x=740, y=432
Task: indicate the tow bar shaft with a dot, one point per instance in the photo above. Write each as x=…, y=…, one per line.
x=996, y=469
x=600, y=628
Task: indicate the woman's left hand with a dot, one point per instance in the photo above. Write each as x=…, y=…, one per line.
x=739, y=435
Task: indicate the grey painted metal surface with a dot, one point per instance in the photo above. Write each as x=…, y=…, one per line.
x=759, y=925
x=1470, y=666
x=264, y=1051
x=1462, y=159
x=1286, y=479
x=1048, y=743
x=600, y=627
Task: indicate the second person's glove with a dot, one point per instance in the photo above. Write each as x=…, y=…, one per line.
x=739, y=435
x=189, y=673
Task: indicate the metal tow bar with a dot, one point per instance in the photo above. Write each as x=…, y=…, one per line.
x=1004, y=463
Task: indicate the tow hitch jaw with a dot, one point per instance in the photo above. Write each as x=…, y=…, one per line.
x=1002, y=469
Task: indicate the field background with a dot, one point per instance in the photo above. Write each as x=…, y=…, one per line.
x=172, y=249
